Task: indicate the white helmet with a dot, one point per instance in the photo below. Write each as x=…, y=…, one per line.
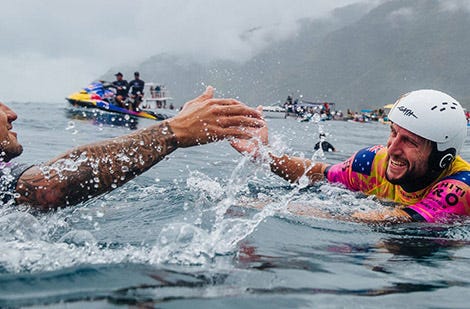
x=434, y=115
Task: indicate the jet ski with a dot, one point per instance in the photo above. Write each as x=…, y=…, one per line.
x=101, y=95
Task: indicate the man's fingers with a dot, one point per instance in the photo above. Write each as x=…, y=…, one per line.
x=237, y=132
x=227, y=107
x=206, y=95
x=235, y=109
x=240, y=121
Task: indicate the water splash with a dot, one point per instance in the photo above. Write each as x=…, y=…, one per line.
x=199, y=243
x=31, y=243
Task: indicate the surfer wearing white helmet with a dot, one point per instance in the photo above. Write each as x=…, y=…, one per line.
x=420, y=169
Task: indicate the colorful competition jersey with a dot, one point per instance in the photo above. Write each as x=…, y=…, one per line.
x=448, y=195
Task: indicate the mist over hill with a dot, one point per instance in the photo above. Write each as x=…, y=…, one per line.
x=360, y=57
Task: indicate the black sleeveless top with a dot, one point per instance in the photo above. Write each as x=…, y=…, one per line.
x=10, y=172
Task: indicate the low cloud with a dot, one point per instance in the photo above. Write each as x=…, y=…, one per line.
x=455, y=5
x=401, y=15
x=51, y=48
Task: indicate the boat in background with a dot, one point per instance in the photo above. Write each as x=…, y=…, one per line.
x=301, y=109
x=100, y=95
x=274, y=111
x=156, y=94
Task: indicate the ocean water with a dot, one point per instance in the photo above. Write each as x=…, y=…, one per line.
x=188, y=233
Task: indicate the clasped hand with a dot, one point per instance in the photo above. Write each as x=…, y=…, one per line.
x=205, y=119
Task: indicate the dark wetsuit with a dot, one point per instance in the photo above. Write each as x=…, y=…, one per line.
x=10, y=172
x=124, y=88
x=325, y=146
x=137, y=86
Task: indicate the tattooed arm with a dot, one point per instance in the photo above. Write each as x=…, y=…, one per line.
x=90, y=170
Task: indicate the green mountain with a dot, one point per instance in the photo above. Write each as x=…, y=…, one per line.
x=359, y=58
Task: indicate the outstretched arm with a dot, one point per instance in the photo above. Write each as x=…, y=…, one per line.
x=289, y=168
x=90, y=170
x=393, y=215
x=293, y=168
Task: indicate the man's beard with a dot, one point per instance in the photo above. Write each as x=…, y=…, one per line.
x=7, y=154
x=412, y=183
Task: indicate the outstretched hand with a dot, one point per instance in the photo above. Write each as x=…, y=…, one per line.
x=205, y=119
x=252, y=146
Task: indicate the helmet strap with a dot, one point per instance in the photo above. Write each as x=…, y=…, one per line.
x=440, y=160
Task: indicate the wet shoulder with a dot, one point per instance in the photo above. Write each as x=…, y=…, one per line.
x=459, y=170
x=364, y=159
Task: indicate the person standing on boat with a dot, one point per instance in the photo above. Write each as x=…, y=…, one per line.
x=158, y=95
x=122, y=89
x=420, y=169
x=90, y=170
x=136, y=87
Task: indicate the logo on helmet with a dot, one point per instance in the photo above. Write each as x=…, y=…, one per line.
x=407, y=112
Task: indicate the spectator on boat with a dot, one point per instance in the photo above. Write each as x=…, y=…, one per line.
x=158, y=91
x=158, y=95
x=136, y=87
x=420, y=169
x=122, y=90
x=325, y=146
x=90, y=170
x=289, y=100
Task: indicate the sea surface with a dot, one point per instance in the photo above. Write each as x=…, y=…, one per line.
x=189, y=233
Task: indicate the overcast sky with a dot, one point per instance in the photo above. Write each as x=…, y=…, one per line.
x=50, y=48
